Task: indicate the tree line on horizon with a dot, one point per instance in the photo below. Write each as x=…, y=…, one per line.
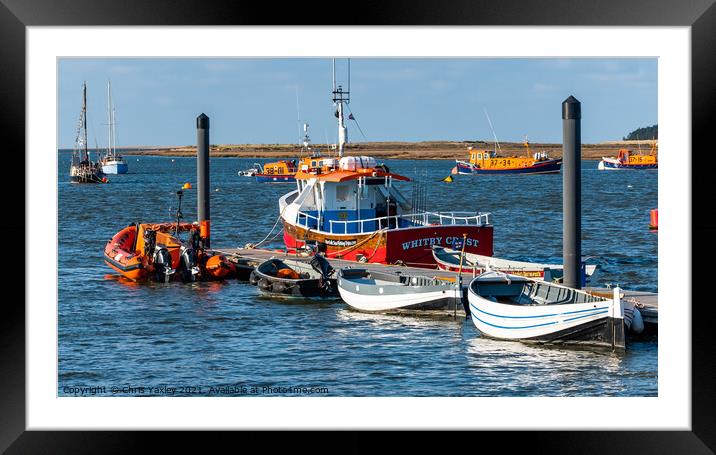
x=646, y=132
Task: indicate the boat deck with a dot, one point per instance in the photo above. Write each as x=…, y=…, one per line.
x=255, y=256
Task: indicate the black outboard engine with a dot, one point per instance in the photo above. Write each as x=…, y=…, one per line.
x=163, y=265
x=322, y=266
x=188, y=264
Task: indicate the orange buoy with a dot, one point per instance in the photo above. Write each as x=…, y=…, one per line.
x=654, y=222
x=187, y=186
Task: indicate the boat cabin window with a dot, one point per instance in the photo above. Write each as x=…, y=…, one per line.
x=342, y=193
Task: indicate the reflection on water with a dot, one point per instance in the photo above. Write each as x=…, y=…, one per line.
x=114, y=332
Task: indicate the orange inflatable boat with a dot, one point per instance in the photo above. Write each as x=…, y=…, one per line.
x=154, y=252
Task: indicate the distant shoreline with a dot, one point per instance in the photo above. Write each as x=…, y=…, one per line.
x=432, y=150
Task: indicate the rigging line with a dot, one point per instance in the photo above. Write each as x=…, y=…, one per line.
x=493, y=131
x=274, y=227
x=357, y=124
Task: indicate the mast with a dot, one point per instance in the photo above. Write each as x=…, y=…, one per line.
x=84, y=117
x=340, y=97
x=114, y=134
x=109, y=120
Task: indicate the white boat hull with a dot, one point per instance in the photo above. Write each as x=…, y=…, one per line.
x=115, y=167
x=501, y=321
x=384, y=303
x=597, y=323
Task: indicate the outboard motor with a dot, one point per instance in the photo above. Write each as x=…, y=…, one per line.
x=188, y=264
x=163, y=265
x=322, y=266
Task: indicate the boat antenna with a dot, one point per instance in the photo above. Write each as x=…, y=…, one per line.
x=339, y=98
x=497, y=143
x=179, y=215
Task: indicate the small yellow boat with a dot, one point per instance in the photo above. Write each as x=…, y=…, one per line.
x=627, y=159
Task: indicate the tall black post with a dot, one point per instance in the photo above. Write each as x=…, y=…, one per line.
x=572, y=192
x=202, y=177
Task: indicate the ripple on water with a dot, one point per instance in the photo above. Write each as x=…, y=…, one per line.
x=114, y=333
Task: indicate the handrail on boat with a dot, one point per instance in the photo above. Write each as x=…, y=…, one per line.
x=421, y=219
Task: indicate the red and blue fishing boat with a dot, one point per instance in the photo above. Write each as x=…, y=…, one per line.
x=353, y=206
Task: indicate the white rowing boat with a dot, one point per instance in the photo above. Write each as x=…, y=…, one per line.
x=475, y=264
x=511, y=307
x=371, y=291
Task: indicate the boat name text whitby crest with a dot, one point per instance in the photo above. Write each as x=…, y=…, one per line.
x=430, y=241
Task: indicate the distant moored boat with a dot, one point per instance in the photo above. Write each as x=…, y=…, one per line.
x=627, y=159
x=485, y=162
x=111, y=162
x=82, y=168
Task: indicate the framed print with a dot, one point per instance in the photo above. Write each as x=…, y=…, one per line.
x=145, y=310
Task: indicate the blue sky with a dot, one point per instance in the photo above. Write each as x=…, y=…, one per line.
x=254, y=100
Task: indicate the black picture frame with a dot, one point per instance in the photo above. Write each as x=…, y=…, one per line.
x=700, y=15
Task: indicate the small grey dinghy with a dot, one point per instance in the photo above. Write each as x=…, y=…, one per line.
x=380, y=292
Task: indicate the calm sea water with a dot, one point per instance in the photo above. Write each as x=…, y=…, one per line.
x=223, y=339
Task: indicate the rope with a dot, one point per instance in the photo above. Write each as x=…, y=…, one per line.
x=254, y=245
x=376, y=245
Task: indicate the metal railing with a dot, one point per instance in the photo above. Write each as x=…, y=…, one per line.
x=393, y=221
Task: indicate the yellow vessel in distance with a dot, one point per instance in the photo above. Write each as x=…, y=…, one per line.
x=486, y=162
x=627, y=159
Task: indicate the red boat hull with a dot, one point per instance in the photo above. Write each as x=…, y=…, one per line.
x=409, y=246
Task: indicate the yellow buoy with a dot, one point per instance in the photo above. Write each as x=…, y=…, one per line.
x=187, y=186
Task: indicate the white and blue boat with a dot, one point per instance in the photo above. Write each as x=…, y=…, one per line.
x=114, y=164
x=516, y=308
x=111, y=162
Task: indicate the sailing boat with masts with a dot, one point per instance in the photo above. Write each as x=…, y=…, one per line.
x=111, y=162
x=82, y=168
